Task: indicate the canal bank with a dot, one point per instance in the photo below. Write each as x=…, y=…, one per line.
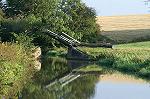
x=17, y=65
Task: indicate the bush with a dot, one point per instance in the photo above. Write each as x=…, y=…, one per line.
x=145, y=72
x=14, y=67
x=24, y=40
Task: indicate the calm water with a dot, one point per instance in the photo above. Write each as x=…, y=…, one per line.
x=57, y=81
x=117, y=86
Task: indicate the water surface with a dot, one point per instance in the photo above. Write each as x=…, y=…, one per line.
x=56, y=80
x=121, y=86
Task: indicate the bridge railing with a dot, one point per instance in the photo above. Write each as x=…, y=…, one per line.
x=62, y=37
x=69, y=37
x=70, y=41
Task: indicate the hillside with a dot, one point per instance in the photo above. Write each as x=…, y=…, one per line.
x=123, y=29
x=130, y=22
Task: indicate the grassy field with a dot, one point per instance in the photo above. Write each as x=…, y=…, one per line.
x=124, y=29
x=142, y=45
x=131, y=60
x=127, y=36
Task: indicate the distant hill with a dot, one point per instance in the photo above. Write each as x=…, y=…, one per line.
x=124, y=29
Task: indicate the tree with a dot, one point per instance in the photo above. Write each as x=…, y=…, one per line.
x=31, y=16
x=83, y=19
x=45, y=14
x=47, y=10
x=67, y=15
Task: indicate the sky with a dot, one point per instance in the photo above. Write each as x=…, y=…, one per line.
x=118, y=7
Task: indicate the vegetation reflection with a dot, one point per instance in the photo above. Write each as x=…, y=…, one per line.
x=83, y=87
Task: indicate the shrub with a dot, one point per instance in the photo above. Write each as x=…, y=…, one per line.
x=14, y=67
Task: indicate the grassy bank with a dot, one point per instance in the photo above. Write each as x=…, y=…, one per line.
x=132, y=60
x=142, y=45
x=56, y=52
x=15, y=67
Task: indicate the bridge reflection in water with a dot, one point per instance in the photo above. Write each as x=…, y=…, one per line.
x=55, y=76
x=58, y=79
x=75, y=65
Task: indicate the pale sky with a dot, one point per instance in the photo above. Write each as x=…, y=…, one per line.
x=118, y=7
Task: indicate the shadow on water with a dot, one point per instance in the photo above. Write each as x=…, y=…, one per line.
x=58, y=80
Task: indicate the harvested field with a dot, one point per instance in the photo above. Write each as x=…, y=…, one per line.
x=124, y=29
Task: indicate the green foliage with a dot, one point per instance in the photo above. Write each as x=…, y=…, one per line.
x=39, y=7
x=83, y=20
x=24, y=40
x=42, y=14
x=32, y=16
x=145, y=71
x=20, y=29
x=134, y=60
x=46, y=10
x=20, y=24
x=14, y=65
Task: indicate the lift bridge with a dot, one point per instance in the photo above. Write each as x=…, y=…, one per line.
x=72, y=44
x=74, y=53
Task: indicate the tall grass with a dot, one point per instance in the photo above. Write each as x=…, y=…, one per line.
x=133, y=60
x=15, y=64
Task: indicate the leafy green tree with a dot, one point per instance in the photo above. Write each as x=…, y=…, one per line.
x=46, y=10
x=83, y=19
x=32, y=6
x=32, y=16
x=60, y=15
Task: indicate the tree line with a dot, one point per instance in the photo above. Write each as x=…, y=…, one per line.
x=23, y=21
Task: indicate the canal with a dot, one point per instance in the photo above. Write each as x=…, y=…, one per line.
x=64, y=79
